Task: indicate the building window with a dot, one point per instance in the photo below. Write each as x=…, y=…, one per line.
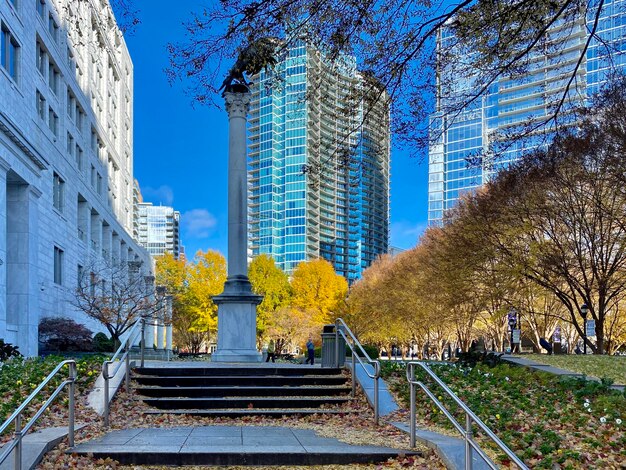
x=41, y=106
x=41, y=8
x=58, y=265
x=71, y=105
x=54, y=78
x=53, y=121
x=58, y=190
x=8, y=51
x=79, y=158
x=70, y=144
x=80, y=273
x=41, y=60
x=53, y=28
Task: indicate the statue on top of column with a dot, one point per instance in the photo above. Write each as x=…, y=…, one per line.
x=256, y=56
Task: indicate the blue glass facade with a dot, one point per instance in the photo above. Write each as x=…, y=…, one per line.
x=298, y=120
x=516, y=102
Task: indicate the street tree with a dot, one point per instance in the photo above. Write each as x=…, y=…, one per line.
x=116, y=295
x=557, y=215
x=196, y=321
x=272, y=283
x=192, y=285
x=318, y=289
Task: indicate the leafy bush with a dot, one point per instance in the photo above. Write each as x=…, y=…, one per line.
x=7, y=351
x=63, y=334
x=102, y=343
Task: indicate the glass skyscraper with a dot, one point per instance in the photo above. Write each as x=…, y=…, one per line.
x=526, y=98
x=318, y=164
x=158, y=229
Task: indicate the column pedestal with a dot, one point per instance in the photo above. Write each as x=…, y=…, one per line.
x=236, y=322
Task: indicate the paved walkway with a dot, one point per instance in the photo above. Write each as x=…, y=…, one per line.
x=525, y=362
x=35, y=445
x=450, y=449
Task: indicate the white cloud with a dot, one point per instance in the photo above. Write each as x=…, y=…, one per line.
x=198, y=223
x=162, y=195
x=404, y=234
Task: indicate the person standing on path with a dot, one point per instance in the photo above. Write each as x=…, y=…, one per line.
x=310, y=349
x=271, y=351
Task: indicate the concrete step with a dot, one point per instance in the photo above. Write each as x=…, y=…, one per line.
x=238, y=380
x=238, y=371
x=242, y=402
x=249, y=391
x=230, y=446
x=272, y=413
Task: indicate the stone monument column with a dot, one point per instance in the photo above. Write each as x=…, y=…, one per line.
x=236, y=306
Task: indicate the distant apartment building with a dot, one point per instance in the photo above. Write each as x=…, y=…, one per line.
x=66, y=158
x=158, y=229
x=519, y=100
x=318, y=165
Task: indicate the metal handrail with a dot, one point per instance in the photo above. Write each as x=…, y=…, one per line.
x=138, y=329
x=470, y=417
x=341, y=329
x=16, y=416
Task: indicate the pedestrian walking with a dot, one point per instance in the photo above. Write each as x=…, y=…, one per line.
x=271, y=351
x=310, y=349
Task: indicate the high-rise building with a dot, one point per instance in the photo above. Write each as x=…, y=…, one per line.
x=318, y=164
x=515, y=102
x=66, y=161
x=158, y=229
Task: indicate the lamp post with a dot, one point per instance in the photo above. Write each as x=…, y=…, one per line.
x=512, y=324
x=583, y=312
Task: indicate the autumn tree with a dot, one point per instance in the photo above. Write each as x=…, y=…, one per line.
x=272, y=283
x=290, y=327
x=116, y=295
x=193, y=286
x=318, y=289
x=557, y=215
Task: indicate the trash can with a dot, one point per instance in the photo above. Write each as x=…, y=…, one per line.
x=328, y=348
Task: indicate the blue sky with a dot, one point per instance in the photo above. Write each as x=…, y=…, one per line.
x=180, y=149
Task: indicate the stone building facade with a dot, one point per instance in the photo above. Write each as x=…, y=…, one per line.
x=66, y=161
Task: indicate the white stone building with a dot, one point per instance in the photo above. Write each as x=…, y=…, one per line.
x=66, y=161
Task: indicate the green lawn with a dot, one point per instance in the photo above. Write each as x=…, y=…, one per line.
x=20, y=376
x=548, y=422
x=609, y=367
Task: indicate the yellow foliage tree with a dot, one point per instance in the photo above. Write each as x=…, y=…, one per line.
x=318, y=289
x=192, y=286
x=272, y=283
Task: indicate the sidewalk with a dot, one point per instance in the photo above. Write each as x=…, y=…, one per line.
x=522, y=361
x=450, y=449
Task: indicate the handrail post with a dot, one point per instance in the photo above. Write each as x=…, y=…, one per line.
x=143, y=340
x=353, y=374
x=412, y=409
x=18, y=446
x=105, y=376
x=336, y=344
x=376, y=378
x=127, y=364
x=72, y=403
x=468, y=437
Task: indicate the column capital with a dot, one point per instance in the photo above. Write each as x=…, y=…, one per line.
x=237, y=104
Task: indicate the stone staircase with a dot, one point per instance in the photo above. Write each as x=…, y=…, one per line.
x=242, y=390
x=236, y=390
